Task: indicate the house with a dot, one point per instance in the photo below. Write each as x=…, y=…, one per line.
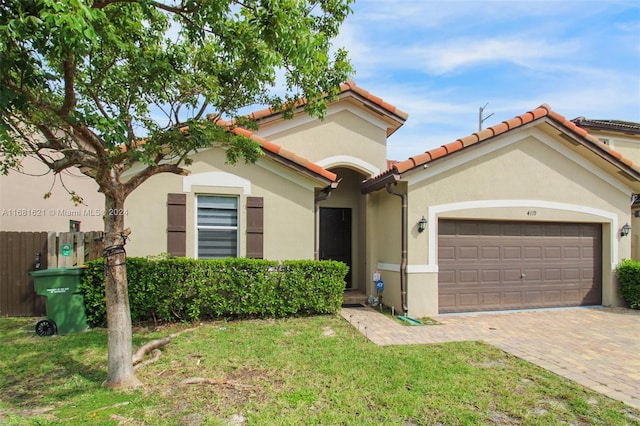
x=527, y=213
x=623, y=137
x=23, y=206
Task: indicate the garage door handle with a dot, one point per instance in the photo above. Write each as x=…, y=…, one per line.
x=523, y=275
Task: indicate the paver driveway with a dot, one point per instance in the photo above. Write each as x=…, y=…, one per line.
x=596, y=347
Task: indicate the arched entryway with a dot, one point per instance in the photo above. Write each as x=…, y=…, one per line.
x=342, y=226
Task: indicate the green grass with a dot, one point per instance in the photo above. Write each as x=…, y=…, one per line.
x=301, y=371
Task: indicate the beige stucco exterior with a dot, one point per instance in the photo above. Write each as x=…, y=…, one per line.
x=348, y=136
x=288, y=212
x=24, y=208
x=526, y=175
x=350, y=141
x=625, y=144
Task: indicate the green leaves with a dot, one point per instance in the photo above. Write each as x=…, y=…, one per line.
x=188, y=290
x=109, y=73
x=628, y=276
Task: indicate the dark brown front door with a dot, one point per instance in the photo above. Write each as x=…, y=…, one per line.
x=488, y=265
x=335, y=236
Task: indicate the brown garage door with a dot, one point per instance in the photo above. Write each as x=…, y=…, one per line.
x=487, y=265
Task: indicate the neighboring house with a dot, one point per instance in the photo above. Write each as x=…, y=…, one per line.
x=524, y=214
x=624, y=137
x=24, y=208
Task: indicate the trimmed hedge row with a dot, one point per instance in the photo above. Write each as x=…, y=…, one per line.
x=628, y=275
x=189, y=289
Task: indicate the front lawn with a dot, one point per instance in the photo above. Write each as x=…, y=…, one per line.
x=302, y=371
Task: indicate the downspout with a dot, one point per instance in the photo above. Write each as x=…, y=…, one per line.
x=403, y=261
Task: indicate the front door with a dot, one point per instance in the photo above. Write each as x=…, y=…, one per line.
x=335, y=236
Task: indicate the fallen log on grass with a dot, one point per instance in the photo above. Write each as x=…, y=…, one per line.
x=153, y=348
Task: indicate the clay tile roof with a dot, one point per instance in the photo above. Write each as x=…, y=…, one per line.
x=278, y=151
x=610, y=125
x=422, y=160
x=348, y=86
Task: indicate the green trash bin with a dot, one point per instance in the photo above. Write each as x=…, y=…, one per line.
x=64, y=300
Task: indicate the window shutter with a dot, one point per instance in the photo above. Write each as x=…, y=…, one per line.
x=177, y=224
x=255, y=227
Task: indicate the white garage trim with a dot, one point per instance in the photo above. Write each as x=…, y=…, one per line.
x=435, y=211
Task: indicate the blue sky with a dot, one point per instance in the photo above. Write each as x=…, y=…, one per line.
x=440, y=61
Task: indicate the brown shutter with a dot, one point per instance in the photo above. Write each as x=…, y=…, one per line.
x=177, y=224
x=255, y=227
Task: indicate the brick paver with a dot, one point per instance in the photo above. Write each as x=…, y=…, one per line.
x=596, y=347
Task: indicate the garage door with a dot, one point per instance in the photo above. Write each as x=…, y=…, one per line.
x=487, y=265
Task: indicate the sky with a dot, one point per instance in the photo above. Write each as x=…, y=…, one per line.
x=440, y=61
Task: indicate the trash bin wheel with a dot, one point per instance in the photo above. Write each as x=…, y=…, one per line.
x=46, y=328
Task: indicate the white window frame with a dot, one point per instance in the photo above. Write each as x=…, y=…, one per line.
x=218, y=228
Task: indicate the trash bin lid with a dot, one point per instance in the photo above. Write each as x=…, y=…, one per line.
x=57, y=272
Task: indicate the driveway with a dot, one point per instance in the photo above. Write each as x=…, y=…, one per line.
x=596, y=347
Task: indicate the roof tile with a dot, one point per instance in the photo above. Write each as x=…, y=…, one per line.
x=454, y=146
x=438, y=152
x=468, y=140
x=543, y=110
x=277, y=150
x=513, y=122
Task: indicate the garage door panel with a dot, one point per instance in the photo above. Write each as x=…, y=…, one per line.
x=551, y=297
x=490, y=275
x=572, y=253
x=532, y=297
x=533, y=253
x=468, y=299
x=509, y=265
x=468, y=276
x=447, y=252
x=470, y=253
x=512, y=275
x=511, y=299
x=447, y=277
x=490, y=298
x=490, y=252
x=533, y=274
x=571, y=274
x=552, y=253
x=512, y=252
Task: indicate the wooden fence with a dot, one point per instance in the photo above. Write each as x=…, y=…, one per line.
x=23, y=252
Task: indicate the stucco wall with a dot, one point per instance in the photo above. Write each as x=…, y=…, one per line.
x=342, y=137
x=527, y=177
x=24, y=208
x=384, y=243
x=627, y=145
x=288, y=205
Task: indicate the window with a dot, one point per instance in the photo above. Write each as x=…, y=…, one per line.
x=217, y=227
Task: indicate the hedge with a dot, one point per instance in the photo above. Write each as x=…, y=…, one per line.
x=628, y=275
x=180, y=289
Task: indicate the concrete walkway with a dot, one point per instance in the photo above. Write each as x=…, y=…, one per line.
x=596, y=347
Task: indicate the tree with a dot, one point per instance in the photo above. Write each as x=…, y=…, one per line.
x=110, y=86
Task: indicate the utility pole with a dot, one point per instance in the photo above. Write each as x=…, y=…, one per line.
x=482, y=119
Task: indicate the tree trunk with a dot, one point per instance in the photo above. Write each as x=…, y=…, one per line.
x=120, y=364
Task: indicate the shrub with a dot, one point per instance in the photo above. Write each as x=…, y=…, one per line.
x=628, y=275
x=162, y=289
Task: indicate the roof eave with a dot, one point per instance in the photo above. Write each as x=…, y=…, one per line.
x=595, y=147
x=375, y=184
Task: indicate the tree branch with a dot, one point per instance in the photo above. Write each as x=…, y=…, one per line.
x=101, y=4
x=145, y=174
x=69, y=90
